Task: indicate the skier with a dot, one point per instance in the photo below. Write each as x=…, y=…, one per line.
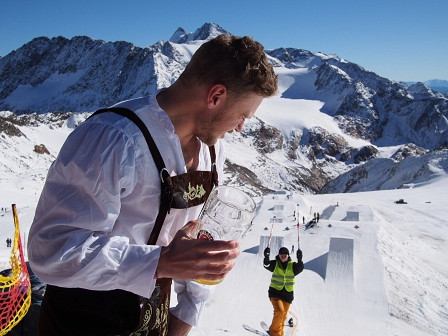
x=317, y=217
x=281, y=289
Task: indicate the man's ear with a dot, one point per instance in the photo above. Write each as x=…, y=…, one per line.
x=216, y=95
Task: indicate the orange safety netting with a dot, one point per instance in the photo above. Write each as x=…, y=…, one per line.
x=15, y=289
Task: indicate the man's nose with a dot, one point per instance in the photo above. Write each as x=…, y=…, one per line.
x=240, y=126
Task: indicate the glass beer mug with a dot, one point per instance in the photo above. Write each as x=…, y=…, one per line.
x=226, y=215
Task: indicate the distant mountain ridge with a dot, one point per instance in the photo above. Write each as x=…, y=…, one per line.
x=439, y=85
x=371, y=112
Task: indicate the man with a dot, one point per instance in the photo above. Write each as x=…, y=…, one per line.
x=281, y=289
x=102, y=194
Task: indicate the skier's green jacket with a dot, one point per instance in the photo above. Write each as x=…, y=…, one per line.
x=283, y=278
x=284, y=292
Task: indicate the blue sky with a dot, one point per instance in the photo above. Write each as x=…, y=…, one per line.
x=403, y=40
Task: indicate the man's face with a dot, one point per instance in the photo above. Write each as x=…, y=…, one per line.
x=229, y=118
x=283, y=257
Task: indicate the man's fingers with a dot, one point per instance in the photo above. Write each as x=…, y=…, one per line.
x=189, y=258
x=189, y=228
x=219, y=257
x=216, y=271
x=221, y=268
x=217, y=245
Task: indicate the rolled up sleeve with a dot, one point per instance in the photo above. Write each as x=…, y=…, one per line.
x=191, y=298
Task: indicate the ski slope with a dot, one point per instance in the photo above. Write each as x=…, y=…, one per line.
x=348, y=286
x=386, y=277
x=328, y=288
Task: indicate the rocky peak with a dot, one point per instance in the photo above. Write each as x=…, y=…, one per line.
x=323, y=143
x=266, y=138
x=292, y=56
x=420, y=91
x=408, y=150
x=179, y=36
x=208, y=31
x=204, y=33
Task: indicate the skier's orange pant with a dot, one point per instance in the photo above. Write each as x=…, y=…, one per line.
x=281, y=309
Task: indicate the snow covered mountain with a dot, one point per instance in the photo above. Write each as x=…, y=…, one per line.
x=439, y=85
x=329, y=116
x=84, y=74
x=386, y=173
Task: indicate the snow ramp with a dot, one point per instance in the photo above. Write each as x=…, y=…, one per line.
x=276, y=243
x=340, y=262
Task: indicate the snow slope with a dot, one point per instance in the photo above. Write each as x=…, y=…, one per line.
x=387, y=277
x=383, y=278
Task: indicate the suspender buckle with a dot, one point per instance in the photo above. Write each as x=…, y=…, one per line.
x=161, y=174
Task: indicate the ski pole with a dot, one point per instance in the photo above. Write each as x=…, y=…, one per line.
x=272, y=229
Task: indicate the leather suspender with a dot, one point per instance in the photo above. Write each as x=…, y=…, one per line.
x=167, y=187
x=166, y=194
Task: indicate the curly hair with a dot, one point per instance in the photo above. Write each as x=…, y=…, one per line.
x=238, y=63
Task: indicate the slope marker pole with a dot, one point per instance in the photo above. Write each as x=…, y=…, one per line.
x=272, y=229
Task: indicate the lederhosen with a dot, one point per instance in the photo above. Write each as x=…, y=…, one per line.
x=83, y=312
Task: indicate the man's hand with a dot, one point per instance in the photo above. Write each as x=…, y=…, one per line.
x=299, y=255
x=187, y=258
x=267, y=252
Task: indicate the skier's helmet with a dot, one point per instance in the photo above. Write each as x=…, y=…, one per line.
x=283, y=250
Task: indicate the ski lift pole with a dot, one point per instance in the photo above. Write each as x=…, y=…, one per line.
x=272, y=229
x=298, y=227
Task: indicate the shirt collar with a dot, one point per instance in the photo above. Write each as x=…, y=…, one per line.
x=159, y=113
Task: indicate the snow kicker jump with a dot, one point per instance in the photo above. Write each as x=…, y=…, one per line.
x=340, y=262
x=276, y=243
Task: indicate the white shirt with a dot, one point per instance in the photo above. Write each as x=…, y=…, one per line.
x=100, y=202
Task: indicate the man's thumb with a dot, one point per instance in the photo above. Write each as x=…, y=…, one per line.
x=190, y=228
